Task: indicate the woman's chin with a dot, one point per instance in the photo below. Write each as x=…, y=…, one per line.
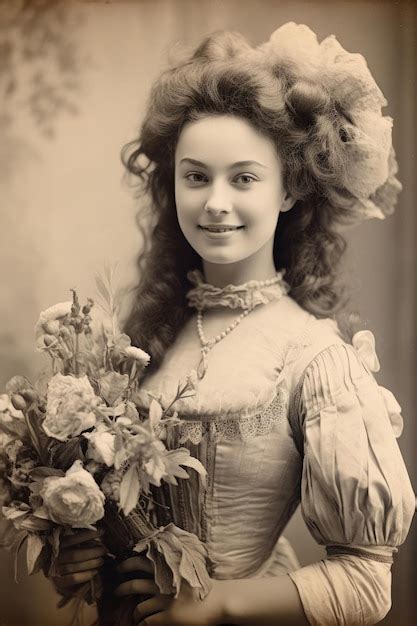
x=220, y=257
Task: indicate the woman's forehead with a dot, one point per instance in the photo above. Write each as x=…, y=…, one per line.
x=227, y=139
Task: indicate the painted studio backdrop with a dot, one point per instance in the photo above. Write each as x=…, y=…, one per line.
x=74, y=78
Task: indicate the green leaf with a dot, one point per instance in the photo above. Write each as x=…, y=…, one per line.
x=170, y=550
x=195, y=464
x=104, y=292
x=42, y=513
x=113, y=385
x=166, y=571
x=33, y=552
x=122, y=341
x=175, y=458
x=14, y=429
x=64, y=454
x=38, y=437
x=54, y=540
x=8, y=534
x=12, y=513
x=155, y=413
x=35, y=524
x=19, y=544
x=129, y=489
x=44, y=472
x=109, y=270
x=179, y=556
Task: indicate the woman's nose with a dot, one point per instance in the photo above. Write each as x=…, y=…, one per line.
x=218, y=202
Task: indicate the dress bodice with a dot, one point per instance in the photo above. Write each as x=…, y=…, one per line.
x=237, y=425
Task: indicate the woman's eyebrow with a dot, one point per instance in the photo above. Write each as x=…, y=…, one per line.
x=237, y=164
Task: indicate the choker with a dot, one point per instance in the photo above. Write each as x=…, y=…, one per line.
x=245, y=296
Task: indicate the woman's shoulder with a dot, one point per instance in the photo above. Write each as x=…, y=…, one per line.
x=286, y=323
x=309, y=336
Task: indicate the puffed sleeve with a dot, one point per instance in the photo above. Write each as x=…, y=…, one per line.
x=356, y=495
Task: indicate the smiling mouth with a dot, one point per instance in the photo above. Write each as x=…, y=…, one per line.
x=223, y=228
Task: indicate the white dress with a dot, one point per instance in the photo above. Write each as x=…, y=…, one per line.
x=288, y=411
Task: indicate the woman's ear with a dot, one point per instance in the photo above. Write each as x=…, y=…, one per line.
x=287, y=203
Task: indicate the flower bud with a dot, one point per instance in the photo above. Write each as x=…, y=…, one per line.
x=16, y=383
x=49, y=340
x=18, y=402
x=51, y=327
x=86, y=309
x=64, y=332
x=29, y=395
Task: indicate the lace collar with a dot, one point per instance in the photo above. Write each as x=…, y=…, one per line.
x=246, y=296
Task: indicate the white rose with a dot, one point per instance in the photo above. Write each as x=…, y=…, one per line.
x=101, y=445
x=70, y=407
x=74, y=499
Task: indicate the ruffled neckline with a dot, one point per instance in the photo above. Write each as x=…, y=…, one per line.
x=245, y=296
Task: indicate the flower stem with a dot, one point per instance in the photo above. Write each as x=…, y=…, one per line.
x=76, y=348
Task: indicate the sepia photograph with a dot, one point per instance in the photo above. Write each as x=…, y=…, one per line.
x=208, y=320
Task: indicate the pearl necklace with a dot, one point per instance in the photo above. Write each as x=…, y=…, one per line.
x=208, y=344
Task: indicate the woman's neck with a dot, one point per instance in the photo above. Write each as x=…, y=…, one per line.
x=220, y=275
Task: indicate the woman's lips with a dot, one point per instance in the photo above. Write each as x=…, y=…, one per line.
x=220, y=232
x=220, y=228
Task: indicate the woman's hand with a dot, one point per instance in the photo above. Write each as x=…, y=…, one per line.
x=165, y=610
x=79, y=560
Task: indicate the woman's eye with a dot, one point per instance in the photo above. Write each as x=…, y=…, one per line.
x=245, y=179
x=195, y=177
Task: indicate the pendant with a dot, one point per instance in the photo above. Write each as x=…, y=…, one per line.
x=202, y=366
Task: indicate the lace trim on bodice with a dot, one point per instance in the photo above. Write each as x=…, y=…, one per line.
x=235, y=426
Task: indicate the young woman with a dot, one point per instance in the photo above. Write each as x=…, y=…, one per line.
x=253, y=159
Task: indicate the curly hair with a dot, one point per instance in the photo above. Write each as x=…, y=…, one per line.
x=225, y=75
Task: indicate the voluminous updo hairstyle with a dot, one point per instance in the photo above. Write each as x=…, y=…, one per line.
x=225, y=75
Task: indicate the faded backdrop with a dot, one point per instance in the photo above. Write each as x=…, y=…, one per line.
x=73, y=85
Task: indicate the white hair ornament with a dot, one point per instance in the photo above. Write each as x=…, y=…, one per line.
x=370, y=159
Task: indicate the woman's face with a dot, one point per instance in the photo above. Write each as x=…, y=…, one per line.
x=228, y=189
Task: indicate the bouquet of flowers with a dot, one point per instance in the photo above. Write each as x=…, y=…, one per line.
x=75, y=450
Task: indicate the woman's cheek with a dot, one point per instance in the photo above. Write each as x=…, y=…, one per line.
x=190, y=205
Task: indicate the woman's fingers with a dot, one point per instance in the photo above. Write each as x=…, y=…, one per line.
x=135, y=564
x=80, y=537
x=139, y=585
x=82, y=566
x=75, y=579
x=75, y=555
x=156, y=604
